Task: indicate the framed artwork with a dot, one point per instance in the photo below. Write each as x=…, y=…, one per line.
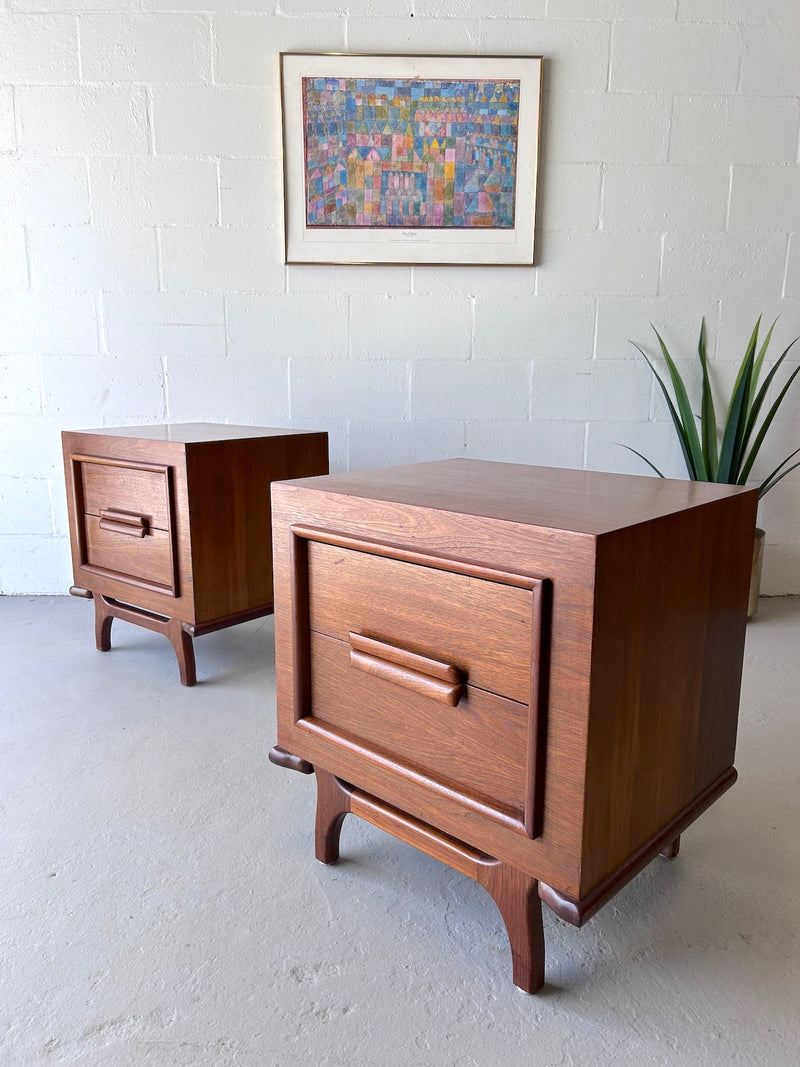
x=410, y=159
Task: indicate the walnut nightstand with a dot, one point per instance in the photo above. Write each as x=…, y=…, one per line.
x=531, y=674
x=170, y=525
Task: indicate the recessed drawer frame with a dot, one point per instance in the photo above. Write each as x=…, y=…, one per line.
x=524, y=814
x=130, y=539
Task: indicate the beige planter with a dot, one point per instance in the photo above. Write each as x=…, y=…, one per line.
x=755, y=574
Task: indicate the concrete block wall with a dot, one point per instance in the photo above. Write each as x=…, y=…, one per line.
x=141, y=245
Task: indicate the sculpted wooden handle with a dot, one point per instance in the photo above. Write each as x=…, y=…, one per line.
x=421, y=674
x=123, y=522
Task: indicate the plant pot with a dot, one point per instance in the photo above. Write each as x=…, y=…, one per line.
x=755, y=574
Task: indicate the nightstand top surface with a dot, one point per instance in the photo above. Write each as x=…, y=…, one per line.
x=194, y=432
x=587, y=502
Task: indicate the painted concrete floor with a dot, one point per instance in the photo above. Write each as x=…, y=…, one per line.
x=160, y=902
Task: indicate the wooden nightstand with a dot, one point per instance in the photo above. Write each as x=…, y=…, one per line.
x=531, y=674
x=170, y=525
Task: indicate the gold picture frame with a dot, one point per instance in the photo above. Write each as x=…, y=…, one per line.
x=410, y=159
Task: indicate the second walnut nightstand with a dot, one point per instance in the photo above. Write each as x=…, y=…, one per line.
x=170, y=525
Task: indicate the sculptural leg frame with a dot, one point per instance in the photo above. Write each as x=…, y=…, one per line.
x=514, y=892
x=102, y=624
x=672, y=849
x=333, y=803
x=516, y=895
x=107, y=609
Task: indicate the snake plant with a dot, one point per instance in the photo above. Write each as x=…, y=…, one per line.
x=724, y=454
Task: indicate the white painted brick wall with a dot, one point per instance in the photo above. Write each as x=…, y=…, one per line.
x=759, y=196
x=734, y=129
x=674, y=57
x=544, y=442
x=769, y=60
x=321, y=385
x=577, y=50
x=38, y=48
x=728, y=263
x=542, y=329
x=81, y=258
x=410, y=327
x=375, y=442
x=221, y=259
x=220, y=121
x=792, y=285
x=154, y=192
x=656, y=198
x=152, y=48
x=13, y=258
x=599, y=263
x=607, y=128
x=141, y=241
x=170, y=324
x=8, y=133
x=95, y=388
x=47, y=322
x=472, y=389
x=288, y=325
x=25, y=398
x=44, y=192
x=246, y=46
x=83, y=121
x=249, y=190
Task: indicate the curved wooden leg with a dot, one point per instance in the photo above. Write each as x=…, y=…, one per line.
x=517, y=898
x=106, y=609
x=103, y=618
x=672, y=849
x=515, y=893
x=333, y=803
x=181, y=641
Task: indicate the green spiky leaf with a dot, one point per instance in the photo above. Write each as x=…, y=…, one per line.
x=708, y=416
x=686, y=414
x=768, y=483
x=647, y=461
x=679, y=429
x=724, y=454
x=765, y=426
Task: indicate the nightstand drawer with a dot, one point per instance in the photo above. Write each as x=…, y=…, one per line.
x=478, y=748
x=138, y=489
x=146, y=558
x=485, y=629
x=127, y=520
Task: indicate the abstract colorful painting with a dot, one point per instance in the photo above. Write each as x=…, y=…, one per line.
x=410, y=152
x=410, y=159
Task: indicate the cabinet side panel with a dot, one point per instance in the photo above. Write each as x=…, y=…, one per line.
x=231, y=530
x=731, y=567
x=670, y=611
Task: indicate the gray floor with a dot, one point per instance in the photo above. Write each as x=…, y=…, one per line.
x=161, y=904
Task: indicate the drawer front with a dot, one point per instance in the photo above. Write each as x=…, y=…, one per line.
x=126, y=488
x=426, y=667
x=484, y=628
x=125, y=521
x=478, y=747
x=146, y=559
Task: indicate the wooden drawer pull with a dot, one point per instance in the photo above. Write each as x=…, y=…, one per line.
x=429, y=677
x=123, y=522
